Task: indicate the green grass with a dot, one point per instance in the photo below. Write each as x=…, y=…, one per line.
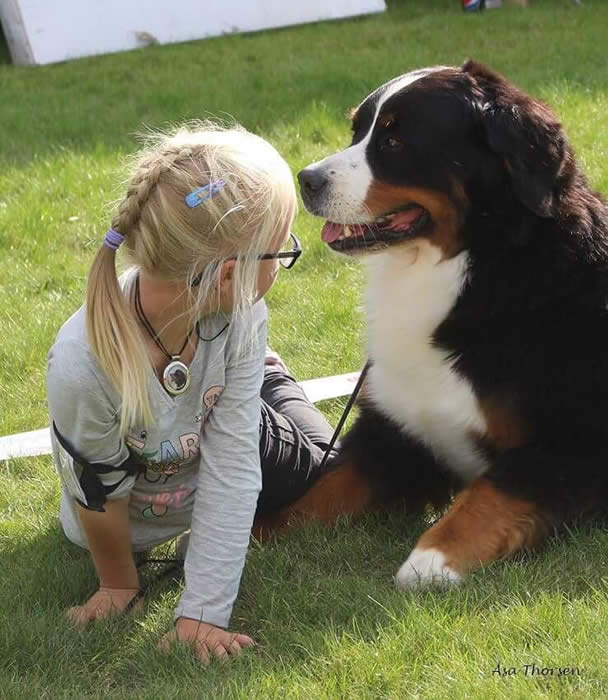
x=320, y=603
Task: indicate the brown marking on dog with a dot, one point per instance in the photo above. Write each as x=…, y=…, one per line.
x=341, y=491
x=484, y=524
x=446, y=211
x=506, y=428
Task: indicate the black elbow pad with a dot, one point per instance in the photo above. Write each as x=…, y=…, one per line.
x=82, y=477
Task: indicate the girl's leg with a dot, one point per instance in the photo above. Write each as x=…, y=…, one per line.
x=294, y=437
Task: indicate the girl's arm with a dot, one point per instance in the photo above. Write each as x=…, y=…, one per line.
x=110, y=544
x=82, y=408
x=91, y=456
x=228, y=488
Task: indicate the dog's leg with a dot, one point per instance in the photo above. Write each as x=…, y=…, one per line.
x=378, y=467
x=340, y=491
x=526, y=493
x=404, y=472
x=483, y=524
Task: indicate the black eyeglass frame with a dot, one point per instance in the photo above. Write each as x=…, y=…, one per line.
x=294, y=254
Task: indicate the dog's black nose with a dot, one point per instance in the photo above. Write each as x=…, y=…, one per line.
x=312, y=180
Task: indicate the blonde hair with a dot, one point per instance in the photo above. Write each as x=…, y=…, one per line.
x=169, y=240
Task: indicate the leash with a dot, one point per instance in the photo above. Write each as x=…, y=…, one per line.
x=347, y=409
x=175, y=567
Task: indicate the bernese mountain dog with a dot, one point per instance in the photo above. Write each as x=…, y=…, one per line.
x=487, y=260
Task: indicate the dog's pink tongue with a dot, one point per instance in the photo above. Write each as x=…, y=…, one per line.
x=404, y=219
x=331, y=232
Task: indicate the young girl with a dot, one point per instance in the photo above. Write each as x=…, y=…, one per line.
x=154, y=385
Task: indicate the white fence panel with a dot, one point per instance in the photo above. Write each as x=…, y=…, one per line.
x=43, y=31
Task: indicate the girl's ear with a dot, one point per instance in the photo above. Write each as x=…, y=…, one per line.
x=226, y=278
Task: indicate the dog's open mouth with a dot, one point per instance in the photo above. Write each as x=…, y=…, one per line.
x=395, y=226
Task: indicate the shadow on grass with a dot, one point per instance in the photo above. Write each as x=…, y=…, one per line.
x=5, y=56
x=299, y=595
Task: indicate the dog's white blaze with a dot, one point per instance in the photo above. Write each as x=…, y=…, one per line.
x=348, y=172
x=424, y=567
x=410, y=292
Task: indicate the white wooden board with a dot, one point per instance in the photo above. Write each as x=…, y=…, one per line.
x=39, y=31
x=38, y=442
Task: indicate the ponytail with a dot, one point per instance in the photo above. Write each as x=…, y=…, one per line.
x=178, y=243
x=115, y=340
x=112, y=331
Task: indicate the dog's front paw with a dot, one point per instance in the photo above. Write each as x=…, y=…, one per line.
x=425, y=567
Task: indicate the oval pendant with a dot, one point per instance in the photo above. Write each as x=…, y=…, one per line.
x=176, y=377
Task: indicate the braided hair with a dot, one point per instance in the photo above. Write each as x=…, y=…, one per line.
x=176, y=243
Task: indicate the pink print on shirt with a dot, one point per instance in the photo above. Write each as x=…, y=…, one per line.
x=210, y=398
x=159, y=503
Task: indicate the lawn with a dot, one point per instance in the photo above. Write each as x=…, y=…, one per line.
x=321, y=604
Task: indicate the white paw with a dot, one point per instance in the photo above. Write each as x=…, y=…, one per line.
x=425, y=567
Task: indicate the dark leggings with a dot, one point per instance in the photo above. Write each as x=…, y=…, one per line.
x=294, y=437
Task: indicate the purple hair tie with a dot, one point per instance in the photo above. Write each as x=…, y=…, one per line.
x=113, y=239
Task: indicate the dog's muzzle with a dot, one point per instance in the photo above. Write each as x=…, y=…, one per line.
x=313, y=183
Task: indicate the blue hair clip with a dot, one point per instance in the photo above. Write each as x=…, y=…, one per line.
x=202, y=194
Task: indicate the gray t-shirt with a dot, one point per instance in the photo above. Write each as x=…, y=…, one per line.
x=199, y=465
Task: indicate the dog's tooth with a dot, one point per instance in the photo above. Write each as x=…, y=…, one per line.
x=347, y=232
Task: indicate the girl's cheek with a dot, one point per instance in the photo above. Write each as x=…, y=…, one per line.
x=266, y=276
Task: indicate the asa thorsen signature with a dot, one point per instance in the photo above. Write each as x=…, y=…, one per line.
x=534, y=670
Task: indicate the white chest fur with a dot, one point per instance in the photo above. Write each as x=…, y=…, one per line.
x=409, y=293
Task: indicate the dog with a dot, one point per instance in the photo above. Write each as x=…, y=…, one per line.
x=487, y=261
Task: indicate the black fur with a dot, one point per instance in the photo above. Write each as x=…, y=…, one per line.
x=531, y=326
x=401, y=471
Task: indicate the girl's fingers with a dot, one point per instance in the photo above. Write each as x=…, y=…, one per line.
x=205, y=641
x=81, y=614
x=219, y=651
x=101, y=605
x=244, y=641
x=166, y=641
x=235, y=648
x=198, y=646
x=102, y=609
x=78, y=615
x=201, y=651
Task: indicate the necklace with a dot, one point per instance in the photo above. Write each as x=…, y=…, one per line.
x=176, y=375
x=217, y=335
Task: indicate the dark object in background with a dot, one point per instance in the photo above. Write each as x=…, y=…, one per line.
x=476, y=5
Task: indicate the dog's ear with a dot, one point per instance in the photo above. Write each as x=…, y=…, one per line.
x=526, y=134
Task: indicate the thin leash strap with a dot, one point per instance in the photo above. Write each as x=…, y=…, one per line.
x=342, y=420
x=175, y=566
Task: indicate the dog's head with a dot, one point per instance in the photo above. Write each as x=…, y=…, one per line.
x=433, y=152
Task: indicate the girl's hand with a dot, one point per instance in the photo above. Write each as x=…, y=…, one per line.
x=205, y=639
x=107, y=602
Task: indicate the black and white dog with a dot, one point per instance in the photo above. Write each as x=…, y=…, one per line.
x=487, y=259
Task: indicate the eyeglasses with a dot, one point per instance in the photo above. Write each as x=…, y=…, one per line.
x=286, y=258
